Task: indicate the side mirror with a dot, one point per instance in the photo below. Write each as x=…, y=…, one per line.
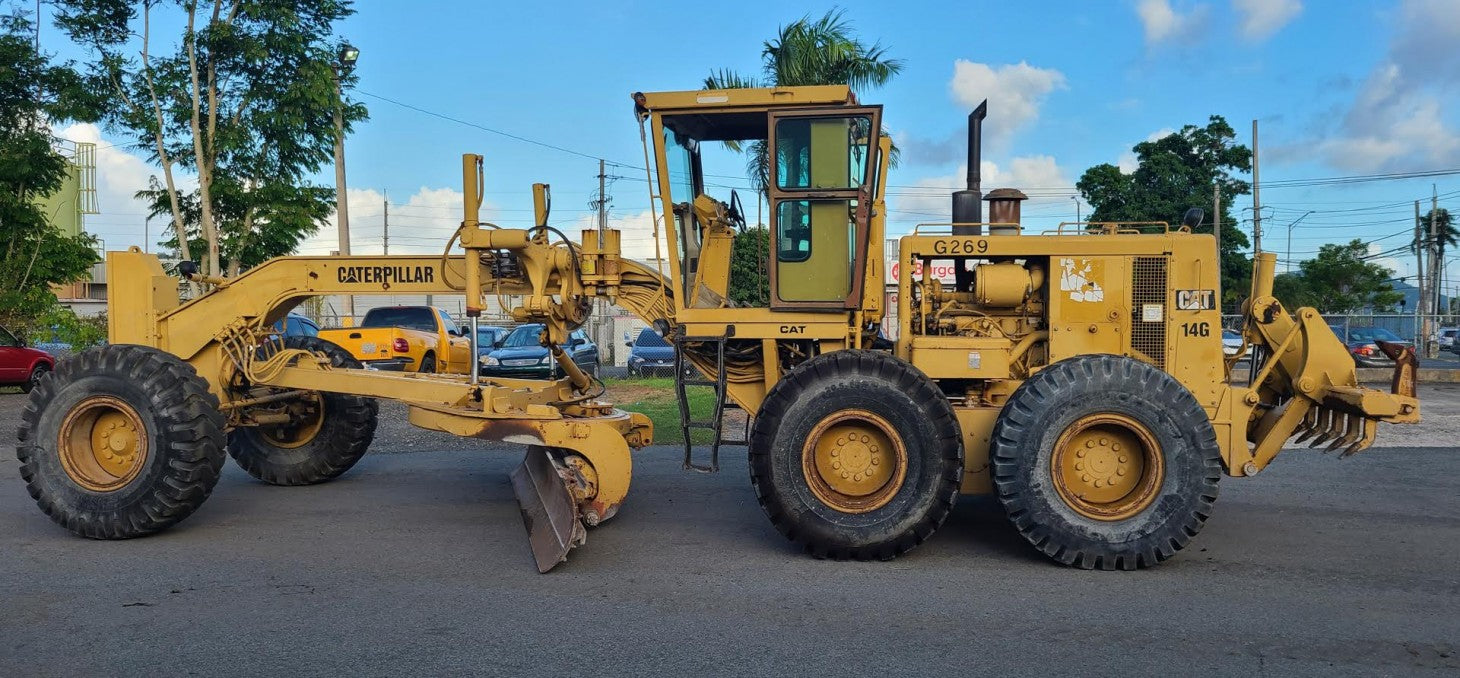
x=1193, y=218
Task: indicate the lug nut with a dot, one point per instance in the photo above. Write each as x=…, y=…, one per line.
x=1079, y=466
x=1115, y=446
x=1085, y=477
x=1089, y=443
x=1104, y=442
x=1080, y=454
x=1123, y=459
x=865, y=439
x=837, y=464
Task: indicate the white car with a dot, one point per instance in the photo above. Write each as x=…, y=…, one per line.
x=1447, y=337
x=1231, y=342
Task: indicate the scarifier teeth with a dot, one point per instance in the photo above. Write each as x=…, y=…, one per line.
x=1309, y=426
x=1368, y=439
x=1326, y=429
x=1352, y=432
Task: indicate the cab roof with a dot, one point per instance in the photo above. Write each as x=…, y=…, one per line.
x=734, y=114
x=759, y=97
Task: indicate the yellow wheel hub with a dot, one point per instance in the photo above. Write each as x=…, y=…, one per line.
x=103, y=444
x=1107, y=467
x=308, y=412
x=854, y=461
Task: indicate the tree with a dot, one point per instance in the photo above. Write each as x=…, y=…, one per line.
x=1174, y=173
x=35, y=254
x=805, y=52
x=246, y=101
x=1447, y=234
x=749, y=281
x=1340, y=280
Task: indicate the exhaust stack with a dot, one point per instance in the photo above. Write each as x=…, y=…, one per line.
x=968, y=203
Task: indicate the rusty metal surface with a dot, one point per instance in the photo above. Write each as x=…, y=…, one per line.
x=548, y=509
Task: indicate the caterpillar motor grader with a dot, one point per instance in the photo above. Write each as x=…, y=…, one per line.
x=1077, y=374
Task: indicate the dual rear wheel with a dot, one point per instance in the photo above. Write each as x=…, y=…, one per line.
x=1099, y=461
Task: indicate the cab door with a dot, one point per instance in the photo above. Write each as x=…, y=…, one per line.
x=821, y=200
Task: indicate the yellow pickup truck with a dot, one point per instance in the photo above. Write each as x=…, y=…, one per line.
x=407, y=338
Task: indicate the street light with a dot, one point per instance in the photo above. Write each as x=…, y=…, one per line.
x=348, y=55
x=1289, y=267
x=1076, y=198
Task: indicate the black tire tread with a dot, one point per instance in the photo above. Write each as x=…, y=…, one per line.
x=904, y=377
x=190, y=428
x=1030, y=408
x=338, y=453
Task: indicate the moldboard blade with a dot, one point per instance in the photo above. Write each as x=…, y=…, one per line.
x=548, y=510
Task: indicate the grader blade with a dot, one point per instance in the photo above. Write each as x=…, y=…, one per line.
x=548, y=509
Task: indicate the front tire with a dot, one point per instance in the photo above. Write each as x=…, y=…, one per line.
x=1103, y=461
x=856, y=454
x=121, y=441
x=333, y=433
x=428, y=363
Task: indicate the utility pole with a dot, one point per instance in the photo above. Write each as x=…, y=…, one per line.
x=1419, y=280
x=1256, y=196
x=345, y=63
x=385, y=229
x=1434, y=271
x=602, y=203
x=602, y=232
x=1217, y=222
x=146, y=232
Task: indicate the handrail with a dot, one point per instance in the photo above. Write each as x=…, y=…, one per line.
x=950, y=225
x=1110, y=227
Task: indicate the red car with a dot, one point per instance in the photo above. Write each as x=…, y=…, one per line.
x=21, y=366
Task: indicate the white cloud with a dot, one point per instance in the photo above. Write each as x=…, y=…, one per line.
x=1262, y=18
x=1015, y=93
x=420, y=225
x=1163, y=23
x=929, y=199
x=1397, y=120
x=119, y=175
x=1128, y=162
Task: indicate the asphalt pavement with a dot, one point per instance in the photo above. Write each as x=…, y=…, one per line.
x=416, y=563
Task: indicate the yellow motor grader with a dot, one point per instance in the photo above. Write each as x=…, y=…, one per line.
x=1077, y=374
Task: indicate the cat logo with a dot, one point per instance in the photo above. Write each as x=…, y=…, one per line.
x=793, y=329
x=385, y=275
x=1196, y=300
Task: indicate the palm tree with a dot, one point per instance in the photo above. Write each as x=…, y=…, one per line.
x=825, y=51
x=1445, y=235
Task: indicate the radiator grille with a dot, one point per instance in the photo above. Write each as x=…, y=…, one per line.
x=1148, y=286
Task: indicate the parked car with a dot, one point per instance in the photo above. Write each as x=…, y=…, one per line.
x=295, y=325
x=650, y=355
x=521, y=356
x=21, y=365
x=1231, y=342
x=406, y=338
x=1446, y=337
x=488, y=338
x=1361, y=343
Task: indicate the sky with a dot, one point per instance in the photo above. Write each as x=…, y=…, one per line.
x=1340, y=89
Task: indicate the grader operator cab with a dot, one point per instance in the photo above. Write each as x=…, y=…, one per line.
x=1077, y=374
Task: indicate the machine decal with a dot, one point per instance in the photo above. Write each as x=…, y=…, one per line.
x=386, y=274
x=1080, y=279
x=1196, y=300
x=1152, y=313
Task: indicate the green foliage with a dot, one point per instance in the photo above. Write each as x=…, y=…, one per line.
x=278, y=217
x=253, y=121
x=1446, y=235
x=825, y=51
x=34, y=255
x=1338, y=280
x=749, y=281
x=60, y=324
x=1176, y=172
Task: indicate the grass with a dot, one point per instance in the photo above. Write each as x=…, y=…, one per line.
x=654, y=397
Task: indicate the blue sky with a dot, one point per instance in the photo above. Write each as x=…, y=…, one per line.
x=1340, y=88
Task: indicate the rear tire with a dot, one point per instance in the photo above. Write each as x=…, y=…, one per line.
x=121, y=441
x=333, y=443
x=856, y=454
x=1103, y=461
x=428, y=363
x=34, y=380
